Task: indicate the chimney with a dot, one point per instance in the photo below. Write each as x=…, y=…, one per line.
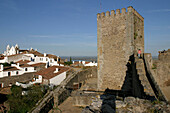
x=18, y=64
x=45, y=54
x=1, y=67
x=56, y=70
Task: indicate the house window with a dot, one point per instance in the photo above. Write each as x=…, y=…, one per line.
x=26, y=69
x=9, y=73
x=17, y=73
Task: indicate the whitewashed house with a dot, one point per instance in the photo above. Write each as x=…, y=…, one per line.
x=19, y=68
x=52, y=75
x=84, y=63
x=90, y=64
x=9, y=71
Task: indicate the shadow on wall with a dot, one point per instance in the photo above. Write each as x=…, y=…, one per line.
x=108, y=104
x=132, y=85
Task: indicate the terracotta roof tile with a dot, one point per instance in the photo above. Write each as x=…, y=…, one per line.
x=9, y=68
x=48, y=73
x=25, y=65
x=23, y=61
x=36, y=53
x=38, y=64
x=1, y=58
x=52, y=56
x=87, y=62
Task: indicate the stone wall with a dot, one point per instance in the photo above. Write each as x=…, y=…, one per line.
x=152, y=78
x=163, y=67
x=118, y=36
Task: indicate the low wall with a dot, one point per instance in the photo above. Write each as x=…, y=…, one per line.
x=45, y=104
x=83, y=99
x=151, y=77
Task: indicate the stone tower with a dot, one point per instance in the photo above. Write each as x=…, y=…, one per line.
x=119, y=36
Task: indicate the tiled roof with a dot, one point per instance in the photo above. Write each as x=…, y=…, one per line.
x=38, y=64
x=23, y=50
x=87, y=62
x=9, y=68
x=36, y=53
x=25, y=65
x=48, y=73
x=52, y=56
x=1, y=58
x=23, y=61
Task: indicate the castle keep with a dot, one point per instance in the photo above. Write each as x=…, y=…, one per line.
x=119, y=35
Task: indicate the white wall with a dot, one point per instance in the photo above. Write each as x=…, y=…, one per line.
x=58, y=79
x=13, y=73
x=91, y=64
x=29, y=69
x=4, y=60
x=1, y=74
x=37, y=80
x=41, y=59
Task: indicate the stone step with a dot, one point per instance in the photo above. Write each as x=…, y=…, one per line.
x=139, y=60
x=140, y=71
x=139, y=66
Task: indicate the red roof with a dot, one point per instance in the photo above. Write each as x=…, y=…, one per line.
x=23, y=61
x=38, y=64
x=1, y=58
x=87, y=62
x=48, y=73
x=10, y=68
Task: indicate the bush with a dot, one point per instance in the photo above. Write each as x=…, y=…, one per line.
x=23, y=103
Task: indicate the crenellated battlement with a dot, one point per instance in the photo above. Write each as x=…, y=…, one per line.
x=119, y=12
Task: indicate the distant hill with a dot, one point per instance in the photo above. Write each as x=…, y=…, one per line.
x=155, y=57
x=82, y=58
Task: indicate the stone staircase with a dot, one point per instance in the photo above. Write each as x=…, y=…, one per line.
x=142, y=76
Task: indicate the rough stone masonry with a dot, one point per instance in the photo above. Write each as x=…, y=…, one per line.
x=119, y=36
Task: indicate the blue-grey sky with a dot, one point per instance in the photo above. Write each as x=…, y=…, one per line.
x=69, y=27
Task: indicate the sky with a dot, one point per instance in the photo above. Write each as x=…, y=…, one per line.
x=69, y=27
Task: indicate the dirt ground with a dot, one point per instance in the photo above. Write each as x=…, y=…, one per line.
x=67, y=107
x=166, y=91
